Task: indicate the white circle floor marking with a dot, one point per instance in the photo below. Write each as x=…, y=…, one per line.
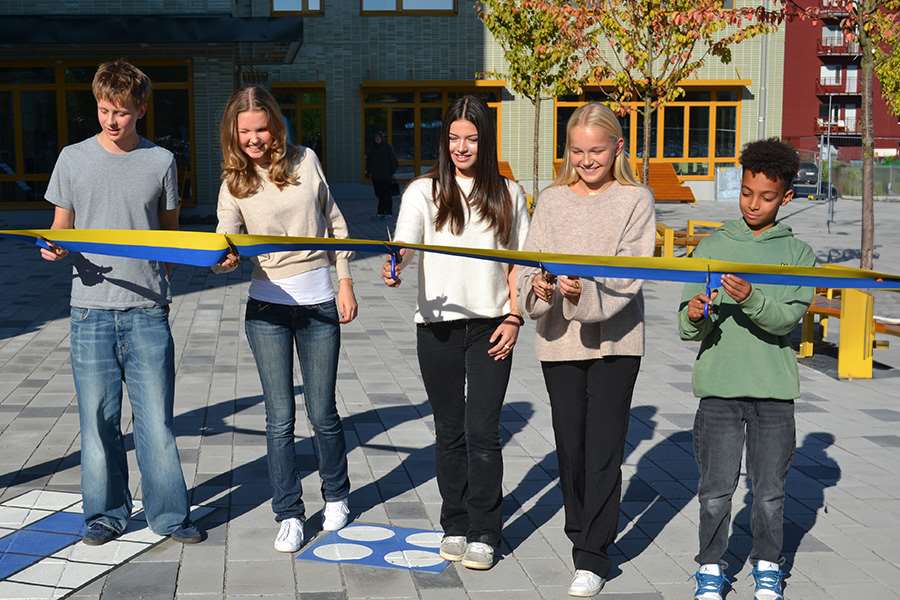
x=342, y=552
x=365, y=533
x=426, y=539
x=413, y=558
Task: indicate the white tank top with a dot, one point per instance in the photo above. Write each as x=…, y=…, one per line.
x=302, y=289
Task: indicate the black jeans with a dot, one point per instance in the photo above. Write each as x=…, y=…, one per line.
x=384, y=195
x=720, y=428
x=590, y=401
x=466, y=388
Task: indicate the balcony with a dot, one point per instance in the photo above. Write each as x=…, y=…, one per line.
x=834, y=8
x=838, y=47
x=838, y=127
x=836, y=87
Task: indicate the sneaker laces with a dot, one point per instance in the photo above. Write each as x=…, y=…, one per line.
x=707, y=583
x=286, y=527
x=768, y=580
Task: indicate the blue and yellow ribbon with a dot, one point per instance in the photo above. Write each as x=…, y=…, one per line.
x=207, y=249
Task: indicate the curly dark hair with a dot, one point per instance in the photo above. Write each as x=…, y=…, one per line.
x=777, y=159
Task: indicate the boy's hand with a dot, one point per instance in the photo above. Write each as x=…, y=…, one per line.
x=737, y=288
x=230, y=262
x=696, y=304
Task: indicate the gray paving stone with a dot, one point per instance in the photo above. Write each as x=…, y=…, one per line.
x=141, y=580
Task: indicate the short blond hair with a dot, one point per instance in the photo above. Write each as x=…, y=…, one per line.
x=601, y=116
x=119, y=82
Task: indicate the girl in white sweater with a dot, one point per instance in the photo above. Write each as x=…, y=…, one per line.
x=467, y=321
x=272, y=188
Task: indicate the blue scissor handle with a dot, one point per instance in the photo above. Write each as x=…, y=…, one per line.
x=395, y=258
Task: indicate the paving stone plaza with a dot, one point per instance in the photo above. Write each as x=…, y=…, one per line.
x=842, y=511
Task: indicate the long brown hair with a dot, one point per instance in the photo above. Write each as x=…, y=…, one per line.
x=238, y=171
x=490, y=196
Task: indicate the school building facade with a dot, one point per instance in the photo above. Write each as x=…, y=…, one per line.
x=341, y=70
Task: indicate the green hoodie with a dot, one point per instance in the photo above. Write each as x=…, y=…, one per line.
x=745, y=352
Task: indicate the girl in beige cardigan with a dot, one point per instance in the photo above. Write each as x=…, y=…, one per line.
x=590, y=332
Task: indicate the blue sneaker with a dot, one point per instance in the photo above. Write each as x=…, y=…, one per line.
x=709, y=587
x=769, y=584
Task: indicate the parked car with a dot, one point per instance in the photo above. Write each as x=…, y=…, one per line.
x=808, y=190
x=808, y=173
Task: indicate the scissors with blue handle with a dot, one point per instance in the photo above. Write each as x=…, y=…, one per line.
x=395, y=256
x=708, y=294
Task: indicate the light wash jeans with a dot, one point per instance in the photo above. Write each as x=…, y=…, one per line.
x=134, y=346
x=273, y=331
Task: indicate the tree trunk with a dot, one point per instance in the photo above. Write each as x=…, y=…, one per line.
x=648, y=121
x=537, y=154
x=868, y=146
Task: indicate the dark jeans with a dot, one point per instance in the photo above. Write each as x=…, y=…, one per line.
x=384, y=194
x=273, y=330
x=466, y=388
x=720, y=428
x=590, y=401
x=134, y=346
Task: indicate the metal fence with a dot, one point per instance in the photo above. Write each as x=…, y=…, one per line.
x=847, y=179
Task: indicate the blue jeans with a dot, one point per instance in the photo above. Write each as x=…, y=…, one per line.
x=134, y=346
x=273, y=330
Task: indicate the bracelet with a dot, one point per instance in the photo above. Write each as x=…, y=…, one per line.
x=519, y=318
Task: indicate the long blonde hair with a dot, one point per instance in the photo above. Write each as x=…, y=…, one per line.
x=238, y=171
x=597, y=115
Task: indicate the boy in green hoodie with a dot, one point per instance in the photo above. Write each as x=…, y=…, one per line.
x=746, y=373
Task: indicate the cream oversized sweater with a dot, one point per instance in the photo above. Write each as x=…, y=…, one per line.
x=609, y=317
x=306, y=209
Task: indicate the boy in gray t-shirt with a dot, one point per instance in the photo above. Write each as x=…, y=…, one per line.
x=119, y=320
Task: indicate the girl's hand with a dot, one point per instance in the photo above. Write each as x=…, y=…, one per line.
x=737, y=288
x=386, y=269
x=230, y=262
x=696, y=304
x=504, y=339
x=542, y=286
x=346, y=300
x=570, y=288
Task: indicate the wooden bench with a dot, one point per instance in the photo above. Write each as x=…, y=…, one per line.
x=667, y=238
x=665, y=183
x=856, y=342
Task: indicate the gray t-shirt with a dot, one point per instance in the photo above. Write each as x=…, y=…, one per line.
x=115, y=191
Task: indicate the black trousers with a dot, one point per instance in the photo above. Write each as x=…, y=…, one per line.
x=590, y=401
x=721, y=427
x=384, y=195
x=466, y=388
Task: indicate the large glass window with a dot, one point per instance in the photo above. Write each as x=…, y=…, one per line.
x=304, y=113
x=43, y=108
x=408, y=6
x=697, y=131
x=411, y=121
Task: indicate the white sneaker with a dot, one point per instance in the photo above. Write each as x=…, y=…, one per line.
x=586, y=584
x=478, y=556
x=453, y=547
x=335, y=515
x=290, y=536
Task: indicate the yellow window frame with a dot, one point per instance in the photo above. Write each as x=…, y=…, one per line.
x=299, y=87
x=417, y=87
x=60, y=86
x=711, y=159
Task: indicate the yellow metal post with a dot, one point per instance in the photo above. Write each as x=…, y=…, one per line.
x=857, y=335
x=807, y=336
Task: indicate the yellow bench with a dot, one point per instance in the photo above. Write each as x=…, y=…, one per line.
x=856, y=342
x=668, y=238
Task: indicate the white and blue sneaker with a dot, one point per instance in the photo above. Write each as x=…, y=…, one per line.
x=710, y=583
x=769, y=582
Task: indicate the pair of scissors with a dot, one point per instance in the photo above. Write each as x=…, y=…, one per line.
x=395, y=255
x=708, y=293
